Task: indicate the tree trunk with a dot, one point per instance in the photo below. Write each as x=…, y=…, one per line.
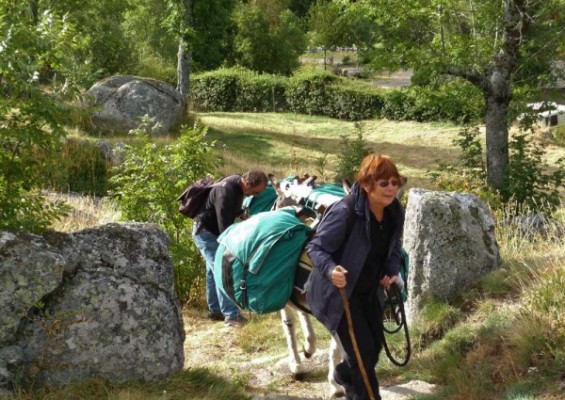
x=184, y=55
x=497, y=141
x=495, y=81
x=497, y=88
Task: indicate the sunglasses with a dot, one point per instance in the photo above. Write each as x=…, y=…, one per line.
x=384, y=183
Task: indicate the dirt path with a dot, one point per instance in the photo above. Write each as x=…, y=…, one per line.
x=212, y=345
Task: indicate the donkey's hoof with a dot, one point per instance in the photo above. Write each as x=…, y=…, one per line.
x=298, y=376
x=307, y=354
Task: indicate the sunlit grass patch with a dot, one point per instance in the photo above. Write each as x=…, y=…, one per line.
x=87, y=212
x=198, y=383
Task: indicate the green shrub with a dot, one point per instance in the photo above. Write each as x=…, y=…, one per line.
x=352, y=153
x=146, y=185
x=397, y=105
x=455, y=100
x=322, y=93
x=308, y=93
x=559, y=133
x=353, y=104
x=529, y=187
x=261, y=93
x=215, y=90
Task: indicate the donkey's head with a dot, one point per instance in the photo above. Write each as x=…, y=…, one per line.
x=297, y=193
x=292, y=193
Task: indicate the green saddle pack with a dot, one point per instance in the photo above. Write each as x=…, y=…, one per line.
x=255, y=264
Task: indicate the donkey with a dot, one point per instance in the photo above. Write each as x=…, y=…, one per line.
x=293, y=194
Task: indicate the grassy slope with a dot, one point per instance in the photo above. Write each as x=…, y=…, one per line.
x=292, y=144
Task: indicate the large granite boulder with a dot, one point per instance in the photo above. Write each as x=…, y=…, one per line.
x=451, y=241
x=96, y=303
x=121, y=101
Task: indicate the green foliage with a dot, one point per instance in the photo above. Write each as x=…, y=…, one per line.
x=322, y=93
x=352, y=153
x=559, y=133
x=261, y=93
x=307, y=93
x=31, y=123
x=105, y=49
x=530, y=188
x=148, y=182
x=82, y=168
x=215, y=91
x=454, y=100
x=269, y=37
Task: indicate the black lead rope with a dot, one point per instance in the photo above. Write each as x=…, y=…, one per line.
x=394, y=307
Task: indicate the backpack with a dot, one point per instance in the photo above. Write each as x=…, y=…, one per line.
x=256, y=260
x=194, y=197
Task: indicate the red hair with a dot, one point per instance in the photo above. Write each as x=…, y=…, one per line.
x=375, y=167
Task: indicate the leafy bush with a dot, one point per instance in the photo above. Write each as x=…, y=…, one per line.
x=147, y=184
x=308, y=93
x=529, y=187
x=352, y=153
x=261, y=93
x=322, y=93
x=32, y=123
x=352, y=104
x=215, y=91
x=397, y=105
x=454, y=100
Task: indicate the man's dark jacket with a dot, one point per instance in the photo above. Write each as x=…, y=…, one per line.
x=223, y=205
x=330, y=247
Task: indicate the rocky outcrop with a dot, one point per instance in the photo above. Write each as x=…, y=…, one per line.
x=451, y=241
x=121, y=101
x=96, y=303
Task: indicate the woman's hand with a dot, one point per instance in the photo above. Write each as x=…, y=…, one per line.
x=388, y=280
x=338, y=277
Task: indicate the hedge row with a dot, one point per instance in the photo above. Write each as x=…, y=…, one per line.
x=232, y=90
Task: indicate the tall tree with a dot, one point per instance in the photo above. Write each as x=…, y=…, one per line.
x=327, y=28
x=269, y=37
x=496, y=45
x=98, y=26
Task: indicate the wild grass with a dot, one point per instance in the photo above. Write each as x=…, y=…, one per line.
x=504, y=338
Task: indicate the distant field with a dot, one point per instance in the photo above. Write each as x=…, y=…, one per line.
x=292, y=144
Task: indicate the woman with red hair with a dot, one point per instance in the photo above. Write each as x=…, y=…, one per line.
x=357, y=247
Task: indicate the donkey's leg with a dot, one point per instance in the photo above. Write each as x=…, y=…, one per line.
x=308, y=332
x=336, y=355
x=288, y=322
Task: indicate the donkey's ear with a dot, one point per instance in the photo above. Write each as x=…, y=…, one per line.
x=274, y=180
x=309, y=180
x=346, y=185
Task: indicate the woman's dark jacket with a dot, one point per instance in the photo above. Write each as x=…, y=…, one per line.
x=330, y=247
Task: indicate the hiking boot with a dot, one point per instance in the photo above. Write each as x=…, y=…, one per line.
x=235, y=321
x=215, y=316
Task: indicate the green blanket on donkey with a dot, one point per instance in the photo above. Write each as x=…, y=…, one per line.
x=256, y=261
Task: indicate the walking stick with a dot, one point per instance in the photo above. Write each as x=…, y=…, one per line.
x=354, y=342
